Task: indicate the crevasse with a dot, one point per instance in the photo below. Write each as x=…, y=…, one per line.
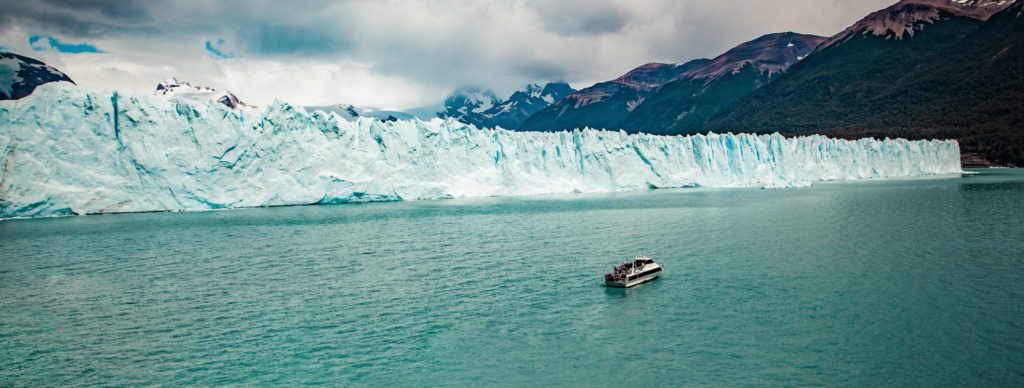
x=75, y=150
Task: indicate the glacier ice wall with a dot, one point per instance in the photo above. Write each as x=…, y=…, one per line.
x=75, y=150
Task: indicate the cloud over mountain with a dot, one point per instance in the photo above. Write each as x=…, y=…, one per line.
x=394, y=52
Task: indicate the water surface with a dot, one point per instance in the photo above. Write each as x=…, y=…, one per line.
x=915, y=282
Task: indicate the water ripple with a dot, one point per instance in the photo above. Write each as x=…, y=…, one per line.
x=881, y=283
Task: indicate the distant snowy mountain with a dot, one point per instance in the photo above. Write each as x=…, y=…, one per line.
x=605, y=104
x=352, y=112
x=511, y=114
x=172, y=89
x=474, y=105
x=347, y=111
x=482, y=108
x=467, y=104
x=20, y=75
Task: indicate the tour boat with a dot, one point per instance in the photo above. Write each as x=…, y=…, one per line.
x=641, y=270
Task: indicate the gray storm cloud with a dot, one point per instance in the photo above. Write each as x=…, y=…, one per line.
x=397, y=52
x=581, y=17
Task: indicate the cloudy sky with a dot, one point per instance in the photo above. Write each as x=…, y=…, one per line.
x=390, y=53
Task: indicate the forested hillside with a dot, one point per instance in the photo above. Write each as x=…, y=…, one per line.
x=957, y=77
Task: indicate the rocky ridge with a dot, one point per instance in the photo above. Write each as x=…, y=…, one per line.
x=906, y=17
x=20, y=75
x=172, y=89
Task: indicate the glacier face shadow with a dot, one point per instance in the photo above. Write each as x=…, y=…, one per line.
x=71, y=150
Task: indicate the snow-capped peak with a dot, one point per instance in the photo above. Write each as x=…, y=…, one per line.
x=168, y=83
x=481, y=107
x=534, y=90
x=349, y=109
x=172, y=89
x=172, y=85
x=467, y=99
x=20, y=75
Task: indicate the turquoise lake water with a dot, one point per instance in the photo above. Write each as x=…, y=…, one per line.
x=915, y=282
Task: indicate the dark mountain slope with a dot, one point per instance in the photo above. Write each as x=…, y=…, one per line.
x=607, y=103
x=482, y=108
x=975, y=92
x=773, y=52
x=902, y=18
x=957, y=77
x=834, y=87
x=20, y=75
x=684, y=104
x=521, y=105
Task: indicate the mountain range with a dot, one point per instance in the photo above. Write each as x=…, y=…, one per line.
x=473, y=105
x=20, y=75
x=676, y=99
x=483, y=109
x=920, y=69
x=606, y=104
x=685, y=103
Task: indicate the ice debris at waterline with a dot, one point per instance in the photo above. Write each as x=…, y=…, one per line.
x=76, y=150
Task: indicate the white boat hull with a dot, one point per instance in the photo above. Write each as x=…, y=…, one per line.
x=645, y=277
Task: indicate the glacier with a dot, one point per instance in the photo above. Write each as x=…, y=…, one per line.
x=75, y=150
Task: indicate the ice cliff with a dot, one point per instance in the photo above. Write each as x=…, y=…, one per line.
x=75, y=150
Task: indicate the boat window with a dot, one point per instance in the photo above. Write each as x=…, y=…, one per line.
x=645, y=273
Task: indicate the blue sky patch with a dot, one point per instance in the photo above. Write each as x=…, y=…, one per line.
x=215, y=50
x=35, y=42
